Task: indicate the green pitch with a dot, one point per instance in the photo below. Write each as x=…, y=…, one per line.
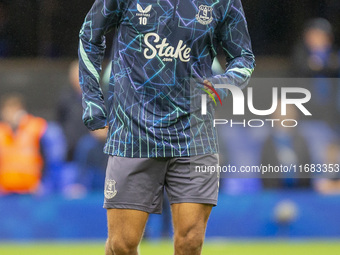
x=165, y=248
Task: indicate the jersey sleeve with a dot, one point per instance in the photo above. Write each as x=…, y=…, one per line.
x=235, y=40
x=103, y=16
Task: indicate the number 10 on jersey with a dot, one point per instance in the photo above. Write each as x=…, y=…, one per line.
x=143, y=20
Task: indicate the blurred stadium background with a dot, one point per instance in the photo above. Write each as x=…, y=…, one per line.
x=38, y=44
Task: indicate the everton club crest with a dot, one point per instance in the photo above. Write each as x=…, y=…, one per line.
x=204, y=15
x=110, y=189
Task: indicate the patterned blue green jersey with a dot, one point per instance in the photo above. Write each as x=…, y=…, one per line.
x=162, y=51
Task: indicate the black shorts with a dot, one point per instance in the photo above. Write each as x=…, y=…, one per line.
x=138, y=183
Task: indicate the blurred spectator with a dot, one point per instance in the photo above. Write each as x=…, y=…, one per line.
x=285, y=146
x=53, y=146
x=331, y=184
x=21, y=159
x=317, y=57
x=69, y=111
x=91, y=160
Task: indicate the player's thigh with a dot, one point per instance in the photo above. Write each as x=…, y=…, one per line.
x=126, y=225
x=184, y=184
x=135, y=183
x=190, y=219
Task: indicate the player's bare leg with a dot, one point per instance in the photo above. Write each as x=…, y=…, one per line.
x=190, y=221
x=126, y=228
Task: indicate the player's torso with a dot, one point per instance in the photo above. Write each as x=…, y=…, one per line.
x=160, y=46
x=178, y=31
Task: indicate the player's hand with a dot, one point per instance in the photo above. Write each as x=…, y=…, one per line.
x=208, y=84
x=101, y=133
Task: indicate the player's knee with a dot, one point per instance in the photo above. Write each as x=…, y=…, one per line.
x=119, y=246
x=191, y=242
